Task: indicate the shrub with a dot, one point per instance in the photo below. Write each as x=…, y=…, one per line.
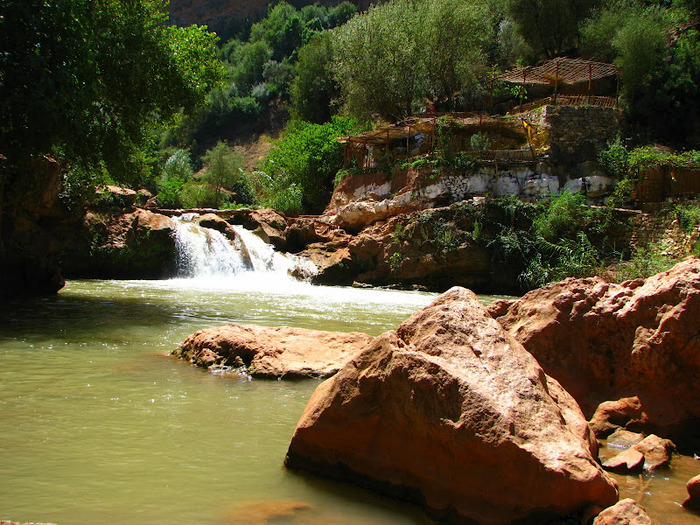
x=565, y=214
x=615, y=159
x=223, y=169
x=308, y=156
x=176, y=172
x=480, y=141
x=688, y=217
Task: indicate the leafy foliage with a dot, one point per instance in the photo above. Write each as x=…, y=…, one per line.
x=84, y=79
x=307, y=159
x=550, y=27
x=401, y=52
x=223, y=170
x=314, y=91
x=177, y=171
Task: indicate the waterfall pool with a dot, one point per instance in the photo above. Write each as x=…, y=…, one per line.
x=99, y=424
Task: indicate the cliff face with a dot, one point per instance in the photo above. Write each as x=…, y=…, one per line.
x=221, y=15
x=33, y=224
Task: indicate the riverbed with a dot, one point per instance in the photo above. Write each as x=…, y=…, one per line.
x=100, y=425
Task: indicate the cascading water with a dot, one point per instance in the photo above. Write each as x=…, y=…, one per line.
x=207, y=253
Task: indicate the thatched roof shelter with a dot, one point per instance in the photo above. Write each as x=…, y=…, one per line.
x=561, y=71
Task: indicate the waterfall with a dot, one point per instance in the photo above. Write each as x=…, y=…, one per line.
x=207, y=253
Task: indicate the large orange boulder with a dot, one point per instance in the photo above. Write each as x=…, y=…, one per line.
x=449, y=410
x=272, y=352
x=605, y=341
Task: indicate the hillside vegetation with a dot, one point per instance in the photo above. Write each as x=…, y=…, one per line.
x=117, y=95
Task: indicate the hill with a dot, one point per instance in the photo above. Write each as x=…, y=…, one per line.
x=226, y=17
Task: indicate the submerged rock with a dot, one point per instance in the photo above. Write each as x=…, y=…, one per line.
x=627, y=461
x=650, y=452
x=624, y=512
x=272, y=352
x=657, y=452
x=624, y=439
x=606, y=341
x=264, y=512
x=450, y=411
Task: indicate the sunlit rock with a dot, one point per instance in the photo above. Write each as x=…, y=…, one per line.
x=450, y=411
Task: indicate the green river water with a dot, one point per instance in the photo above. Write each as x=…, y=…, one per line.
x=100, y=425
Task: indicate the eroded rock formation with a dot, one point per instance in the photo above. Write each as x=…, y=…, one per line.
x=133, y=243
x=272, y=352
x=449, y=410
x=605, y=341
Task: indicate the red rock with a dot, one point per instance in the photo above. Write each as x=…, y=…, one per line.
x=214, y=222
x=624, y=512
x=273, y=352
x=117, y=195
x=264, y=512
x=627, y=461
x=657, y=452
x=612, y=415
x=135, y=245
x=267, y=224
x=449, y=410
x=624, y=439
x=606, y=341
x=693, y=501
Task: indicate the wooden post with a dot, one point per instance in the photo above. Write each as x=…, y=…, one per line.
x=556, y=82
x=590, y=82
x=408, y=142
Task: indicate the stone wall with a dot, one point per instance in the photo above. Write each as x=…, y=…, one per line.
x=572, y=135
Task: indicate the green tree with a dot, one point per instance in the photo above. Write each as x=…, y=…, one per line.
x=375, y=56
x=223, y=168
x=84, y=79
x=250, y=59
x=550, y=27
x=282, y=29
x=657, y=50
x=176, y=172
x=397, y=54
x=306, y=160
x=314, y=91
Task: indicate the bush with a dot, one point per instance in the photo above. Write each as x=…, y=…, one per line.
x=196, y=195
x=176, y=172
x=287, y=200
x=565, y=214
x=480, y=141
x=308, y=156
x=615, y=159
x=688, y=217
x=223, y=169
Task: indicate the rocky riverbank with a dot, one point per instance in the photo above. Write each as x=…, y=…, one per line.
x=480, y=414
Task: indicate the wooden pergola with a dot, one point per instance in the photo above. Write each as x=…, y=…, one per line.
x=561, y=71
x=356, y=146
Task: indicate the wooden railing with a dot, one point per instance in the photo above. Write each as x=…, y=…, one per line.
x=567, y=100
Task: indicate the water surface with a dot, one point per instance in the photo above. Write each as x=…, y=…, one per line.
x=99, y=425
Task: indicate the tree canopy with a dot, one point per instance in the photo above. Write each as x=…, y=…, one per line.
x=83, y=79
x=407, y=50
